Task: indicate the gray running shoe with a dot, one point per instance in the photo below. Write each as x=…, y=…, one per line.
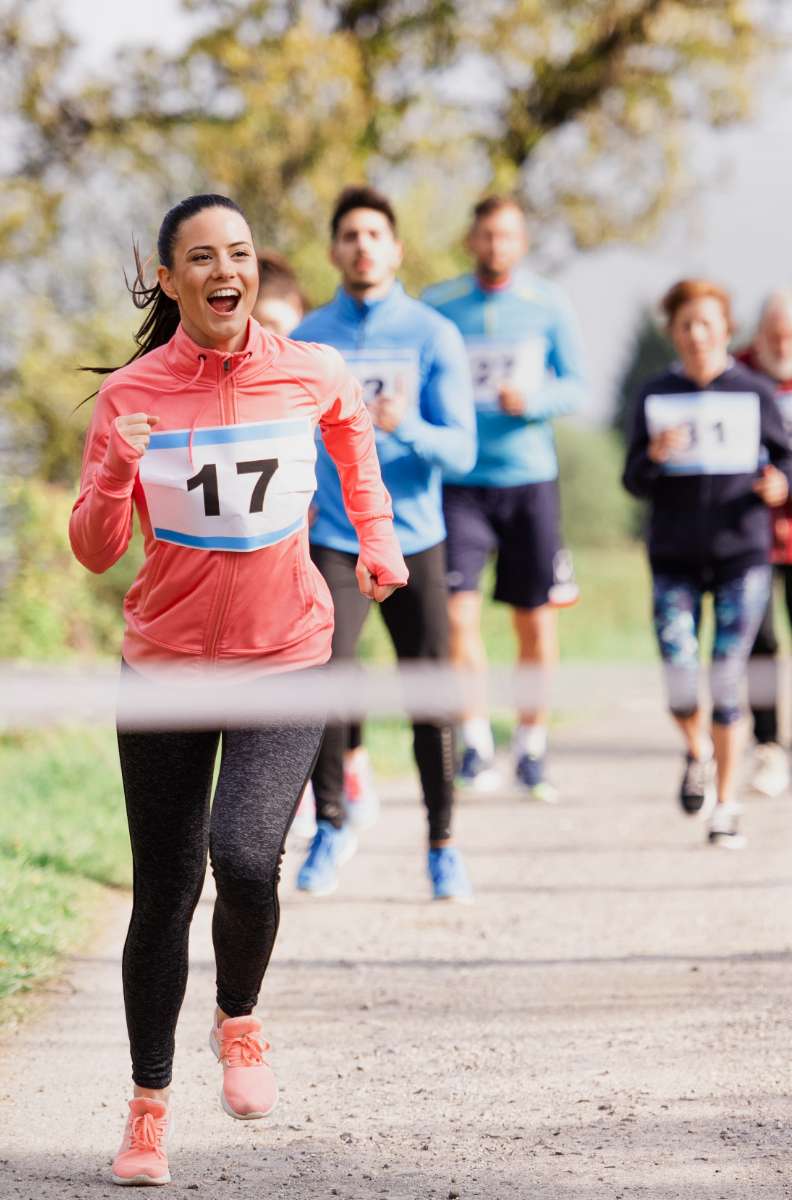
x=697, y=790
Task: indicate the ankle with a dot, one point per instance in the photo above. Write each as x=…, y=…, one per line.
x=143, y=1093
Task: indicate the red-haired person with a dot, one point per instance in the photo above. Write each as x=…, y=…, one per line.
x=770, y=352
x=207, y=433
x=710, y=453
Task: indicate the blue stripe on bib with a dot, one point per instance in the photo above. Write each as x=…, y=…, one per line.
x=227, y=433
x=228, y=543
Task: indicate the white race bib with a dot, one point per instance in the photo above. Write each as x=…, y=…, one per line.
x=247, y=486
x=385, y=373
x=723, y=431
x=494, y=365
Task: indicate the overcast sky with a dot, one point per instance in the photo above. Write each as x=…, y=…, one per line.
x=737, y=231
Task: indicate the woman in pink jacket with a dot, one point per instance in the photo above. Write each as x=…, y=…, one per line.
x=208, y=434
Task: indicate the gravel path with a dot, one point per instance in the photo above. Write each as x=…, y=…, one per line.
x=610, y=1019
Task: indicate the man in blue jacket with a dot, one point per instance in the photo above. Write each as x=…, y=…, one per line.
x=526, y=363
x=414, y=371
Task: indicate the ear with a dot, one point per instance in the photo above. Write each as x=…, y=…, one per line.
x=331, y=254
x=398, y=254
x=166, y=283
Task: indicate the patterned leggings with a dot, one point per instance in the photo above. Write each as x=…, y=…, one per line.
x=739, y=606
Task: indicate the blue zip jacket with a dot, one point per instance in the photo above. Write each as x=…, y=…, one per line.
x=516, y=450
x=415, y=343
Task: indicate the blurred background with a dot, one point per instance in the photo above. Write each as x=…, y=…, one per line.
x=647, y=139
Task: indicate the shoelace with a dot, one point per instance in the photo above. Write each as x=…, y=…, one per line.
x=147, y=1133
x=244, y=1051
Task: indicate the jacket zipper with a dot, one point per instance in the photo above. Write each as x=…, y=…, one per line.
x=227, y=566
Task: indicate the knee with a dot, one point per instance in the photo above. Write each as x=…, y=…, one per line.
x=247, y=875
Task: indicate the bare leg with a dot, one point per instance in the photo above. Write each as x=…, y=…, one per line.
x=727, y=740
x=537, y=646
x=467, y=650
x=692, y=729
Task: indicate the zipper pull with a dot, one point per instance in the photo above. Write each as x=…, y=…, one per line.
x=226, y=364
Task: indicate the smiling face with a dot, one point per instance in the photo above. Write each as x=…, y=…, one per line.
x=366, y=251
x=700, y=333
x=213, y=277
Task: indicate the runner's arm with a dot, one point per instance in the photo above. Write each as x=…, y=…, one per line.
x=100, y=526
x=564, y=391
x=348, y=436
x=443, y=431
x=640, y=472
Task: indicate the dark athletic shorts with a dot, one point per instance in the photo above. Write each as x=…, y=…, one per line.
x=520, y=523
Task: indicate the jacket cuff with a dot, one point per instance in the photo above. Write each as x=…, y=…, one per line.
x=120, y=464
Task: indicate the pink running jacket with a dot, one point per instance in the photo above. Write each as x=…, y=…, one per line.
x=222, y=496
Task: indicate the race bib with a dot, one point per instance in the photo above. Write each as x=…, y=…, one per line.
x=247, y=486
x=494, y=365
x=385, y=373
x=723, y=431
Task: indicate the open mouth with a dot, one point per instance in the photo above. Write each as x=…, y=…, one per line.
x=224, y=300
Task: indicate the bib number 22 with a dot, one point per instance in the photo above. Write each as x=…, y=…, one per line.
x=206, y=478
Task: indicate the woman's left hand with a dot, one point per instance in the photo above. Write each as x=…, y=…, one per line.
x=369, y=587
x=772, y=487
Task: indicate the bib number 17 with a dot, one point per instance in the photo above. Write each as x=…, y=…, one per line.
x=206, y=478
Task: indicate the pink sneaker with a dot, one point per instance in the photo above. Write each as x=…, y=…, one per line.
x=141, y=1157
x=249, y=1087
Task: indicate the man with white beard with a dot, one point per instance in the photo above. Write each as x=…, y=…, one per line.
x=771, y=354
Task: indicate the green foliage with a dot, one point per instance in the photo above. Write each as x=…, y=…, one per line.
x=596, y=510
x=650, y=354
x=51, y=608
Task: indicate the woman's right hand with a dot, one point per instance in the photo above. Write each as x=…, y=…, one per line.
x=135, y=428
x=663, y=445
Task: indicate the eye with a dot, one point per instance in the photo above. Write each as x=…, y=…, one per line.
x=199, y=258
x=242, y=254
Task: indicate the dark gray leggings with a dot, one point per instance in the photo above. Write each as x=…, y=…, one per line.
x=167, y=784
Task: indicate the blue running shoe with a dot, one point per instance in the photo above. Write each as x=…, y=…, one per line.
x=478, y=773
x=448, y=875
x=328, y=851
x=529, y=771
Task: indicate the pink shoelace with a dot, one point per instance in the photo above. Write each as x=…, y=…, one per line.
x=147, y=1133
x=244, y=1051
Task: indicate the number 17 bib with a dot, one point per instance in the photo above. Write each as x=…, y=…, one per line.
x=248, y=486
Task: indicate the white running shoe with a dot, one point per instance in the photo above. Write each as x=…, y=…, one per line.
x=304, y=824
x=724, y=828
x=360, y=796
x=770, y=776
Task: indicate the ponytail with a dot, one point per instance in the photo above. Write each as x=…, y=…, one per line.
x=162, y=320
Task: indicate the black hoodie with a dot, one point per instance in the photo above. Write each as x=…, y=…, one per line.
x=711, y=524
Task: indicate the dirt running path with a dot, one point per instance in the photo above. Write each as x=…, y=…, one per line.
x=610, y=1019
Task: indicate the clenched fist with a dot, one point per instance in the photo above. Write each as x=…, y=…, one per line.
x=135, y=428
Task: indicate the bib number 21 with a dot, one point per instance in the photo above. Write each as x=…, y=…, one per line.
x=206, y=478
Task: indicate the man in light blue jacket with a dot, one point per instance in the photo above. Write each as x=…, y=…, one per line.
x=526, y=364
x=413, y=368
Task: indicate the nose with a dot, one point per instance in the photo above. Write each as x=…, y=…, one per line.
x=224, y=267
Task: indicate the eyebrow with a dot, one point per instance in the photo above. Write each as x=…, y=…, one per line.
x=231, y=245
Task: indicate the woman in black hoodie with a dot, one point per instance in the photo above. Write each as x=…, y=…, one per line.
x=709, y=452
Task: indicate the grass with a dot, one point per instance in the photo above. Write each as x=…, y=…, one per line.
x=62, y=826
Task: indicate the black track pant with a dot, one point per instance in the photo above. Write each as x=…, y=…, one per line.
x=167, y=784
x=416, y=618
x=763, y=667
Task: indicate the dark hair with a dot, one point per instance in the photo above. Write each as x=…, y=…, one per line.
x=162, y=319
x=695, y=289
x=361, y=196
x=493, y=204
x=276, y=278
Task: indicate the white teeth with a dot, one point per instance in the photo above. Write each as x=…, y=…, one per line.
x=224, y=292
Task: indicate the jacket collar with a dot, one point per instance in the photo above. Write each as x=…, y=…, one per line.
x=360, y=310
x=207, y=367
